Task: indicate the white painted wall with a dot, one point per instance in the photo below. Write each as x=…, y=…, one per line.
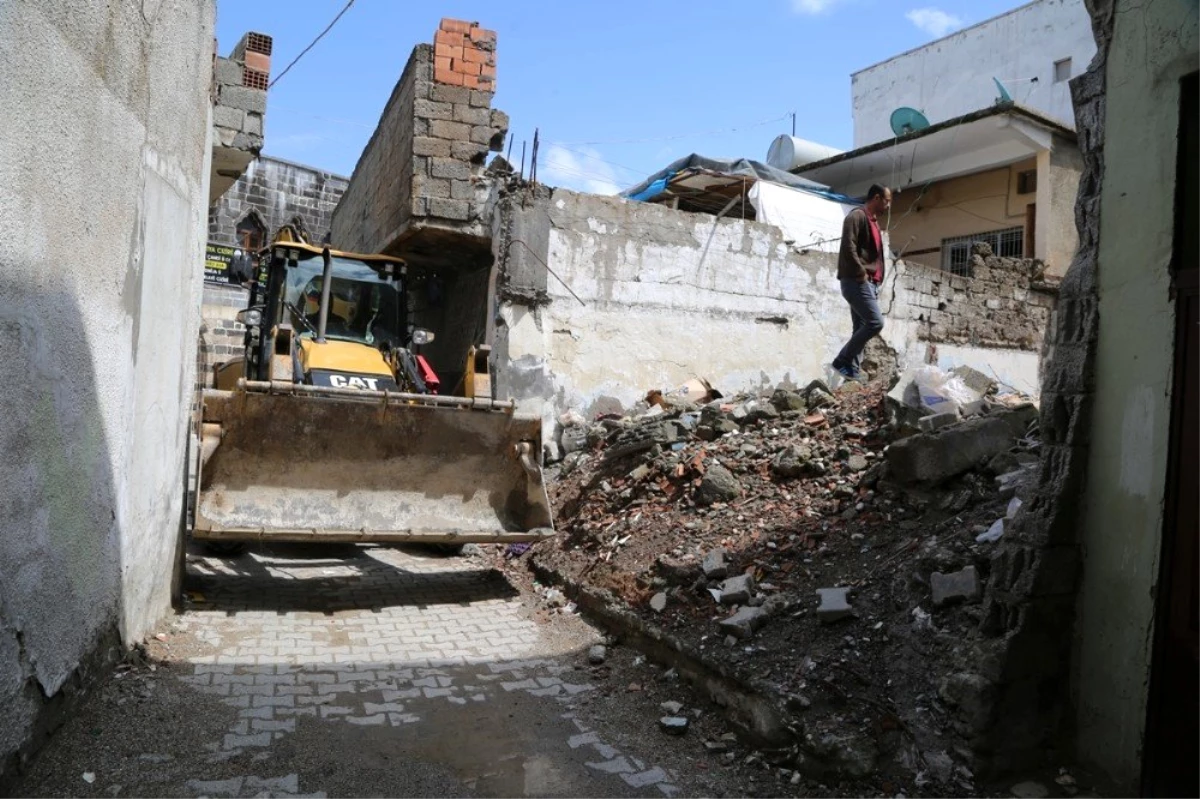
x=670, y=295
x=103, y=205
x=953, y=76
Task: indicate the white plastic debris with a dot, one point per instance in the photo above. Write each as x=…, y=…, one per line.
x=1014, y=505
x=89, y=777
x=993, y=533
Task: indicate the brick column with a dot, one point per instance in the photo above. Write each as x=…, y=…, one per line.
x=464, y=54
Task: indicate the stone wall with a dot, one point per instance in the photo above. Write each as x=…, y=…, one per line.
x=276, y=192
x=1002, y=303
x=1014, y=706
x=222, y=337
x=104, y=159
x=423, y=164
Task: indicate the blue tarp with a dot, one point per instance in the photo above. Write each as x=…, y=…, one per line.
x=657, y=183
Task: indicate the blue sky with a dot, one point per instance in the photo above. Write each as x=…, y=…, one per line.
x=617, y=89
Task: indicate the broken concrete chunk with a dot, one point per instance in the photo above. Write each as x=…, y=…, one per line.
x=785, y=400
x=658, y=602
x=792, y=461
x=834, y=604
x=857, y=463
x=673, y=725
x=953, y=587
x=935, y=458
x=745, y=622
x=597, y=654
x=718, y=485
x=737, y=590
x=937, y=421
x=714, y=565
x=671, y=708
x=818, y=396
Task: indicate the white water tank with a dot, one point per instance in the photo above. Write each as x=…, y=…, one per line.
x=788, y=152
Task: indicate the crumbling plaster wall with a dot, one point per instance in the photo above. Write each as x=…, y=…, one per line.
x=600, y=300
x=1153, y=46
x=104, y=167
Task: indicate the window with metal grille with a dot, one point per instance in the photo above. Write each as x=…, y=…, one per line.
x=956, y=250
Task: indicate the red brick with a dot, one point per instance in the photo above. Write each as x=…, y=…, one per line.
x=258, y=43
x=447, y=51
x=448, y=76
x=482, y=35
x=470, y=81
x=255, y=79
x=441, y=62
x=259, y=61
x=465, y=67
x=469, y=53
x=456, y=25
x=488, y=71
x=452, y=39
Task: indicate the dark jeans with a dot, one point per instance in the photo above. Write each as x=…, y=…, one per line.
x=863, y=299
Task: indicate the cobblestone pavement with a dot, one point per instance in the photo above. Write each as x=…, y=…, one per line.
x=367, y=671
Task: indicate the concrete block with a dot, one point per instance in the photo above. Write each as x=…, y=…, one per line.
x=481, y=99
x=481, y=134
x=244, y=98
x=430, y=109
x=426, y=145
x=450, y=94
x=937, y=421
x=456, y=210
x=228, y=72
x=714, y=565
x=453, y=131
x=227, y=117
x=745, y=622
x=433, y=188
x=737, y=590
x=253, y=124
x=462, y=190
x=449, y=168
x=470, y=115
x=954, y=587
x=468, y=151
x=499, y=119
x=834, y=604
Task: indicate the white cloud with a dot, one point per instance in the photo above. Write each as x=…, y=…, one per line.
x=580, y=168
x=813, y=6
x=934, y=21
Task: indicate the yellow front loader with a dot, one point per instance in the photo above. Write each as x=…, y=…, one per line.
x=334, y=428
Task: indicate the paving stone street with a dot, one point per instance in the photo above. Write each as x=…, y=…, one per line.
x=366, y=671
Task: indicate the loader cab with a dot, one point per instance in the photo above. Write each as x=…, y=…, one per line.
x=368, y=303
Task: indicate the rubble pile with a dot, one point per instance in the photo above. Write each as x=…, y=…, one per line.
x=815, y=542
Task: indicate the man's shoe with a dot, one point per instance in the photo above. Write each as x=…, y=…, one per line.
x=848, y=372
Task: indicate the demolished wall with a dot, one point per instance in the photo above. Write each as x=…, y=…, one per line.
x=105, y=162
x=602, y=299
x=993, y=319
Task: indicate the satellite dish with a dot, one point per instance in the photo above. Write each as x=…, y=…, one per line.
x=1004, y=97
x=907, y=120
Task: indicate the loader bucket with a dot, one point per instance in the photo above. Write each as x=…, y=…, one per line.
x=298, y=463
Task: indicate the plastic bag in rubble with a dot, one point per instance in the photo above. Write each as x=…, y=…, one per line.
x=941, y=392
x=993, y=533
x=571, y=418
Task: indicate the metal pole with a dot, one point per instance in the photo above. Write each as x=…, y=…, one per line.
x=326, y=282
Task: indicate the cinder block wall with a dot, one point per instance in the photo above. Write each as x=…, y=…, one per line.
x=431, y=141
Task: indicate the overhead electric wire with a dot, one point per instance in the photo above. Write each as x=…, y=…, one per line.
x=311, y=44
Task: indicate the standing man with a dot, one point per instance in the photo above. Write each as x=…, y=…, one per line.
x=860, y=271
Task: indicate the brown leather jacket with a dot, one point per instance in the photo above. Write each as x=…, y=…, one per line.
x=858, y=256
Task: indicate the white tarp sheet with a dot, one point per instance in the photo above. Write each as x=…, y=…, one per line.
x=811, y=221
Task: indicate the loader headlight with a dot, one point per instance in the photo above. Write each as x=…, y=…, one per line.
x=422, y=336
x=250, y=317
